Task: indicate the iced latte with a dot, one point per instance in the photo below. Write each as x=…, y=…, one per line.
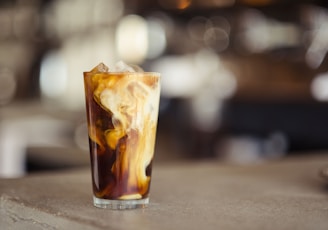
x=122, y=112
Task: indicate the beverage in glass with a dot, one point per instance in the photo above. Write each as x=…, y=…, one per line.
x=122, y=113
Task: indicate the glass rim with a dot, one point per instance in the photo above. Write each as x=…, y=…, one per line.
x=157, y=74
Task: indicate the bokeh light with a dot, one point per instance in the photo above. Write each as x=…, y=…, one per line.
x=317, y=49
x=53, y=76
x=66, y=17
x=156, y=38
x=261, y=34
x=217, y=39
x=132, y=39
x=192, y=74
x=319, y=87
x=213, y=32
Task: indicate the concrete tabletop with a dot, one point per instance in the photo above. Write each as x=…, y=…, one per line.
x=285, y=194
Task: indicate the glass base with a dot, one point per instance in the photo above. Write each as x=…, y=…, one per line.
x=120, y=204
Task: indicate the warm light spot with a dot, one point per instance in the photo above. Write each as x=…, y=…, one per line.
x=175, y=4
x=183, y=4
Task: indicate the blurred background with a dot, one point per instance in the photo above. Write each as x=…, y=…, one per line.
x=243, y=81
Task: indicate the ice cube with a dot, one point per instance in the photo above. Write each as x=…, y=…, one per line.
x=100, y=68
x=123, y=67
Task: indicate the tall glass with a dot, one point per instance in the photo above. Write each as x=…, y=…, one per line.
x=122, y=113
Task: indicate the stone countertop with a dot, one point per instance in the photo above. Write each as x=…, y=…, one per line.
x=285, y=194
